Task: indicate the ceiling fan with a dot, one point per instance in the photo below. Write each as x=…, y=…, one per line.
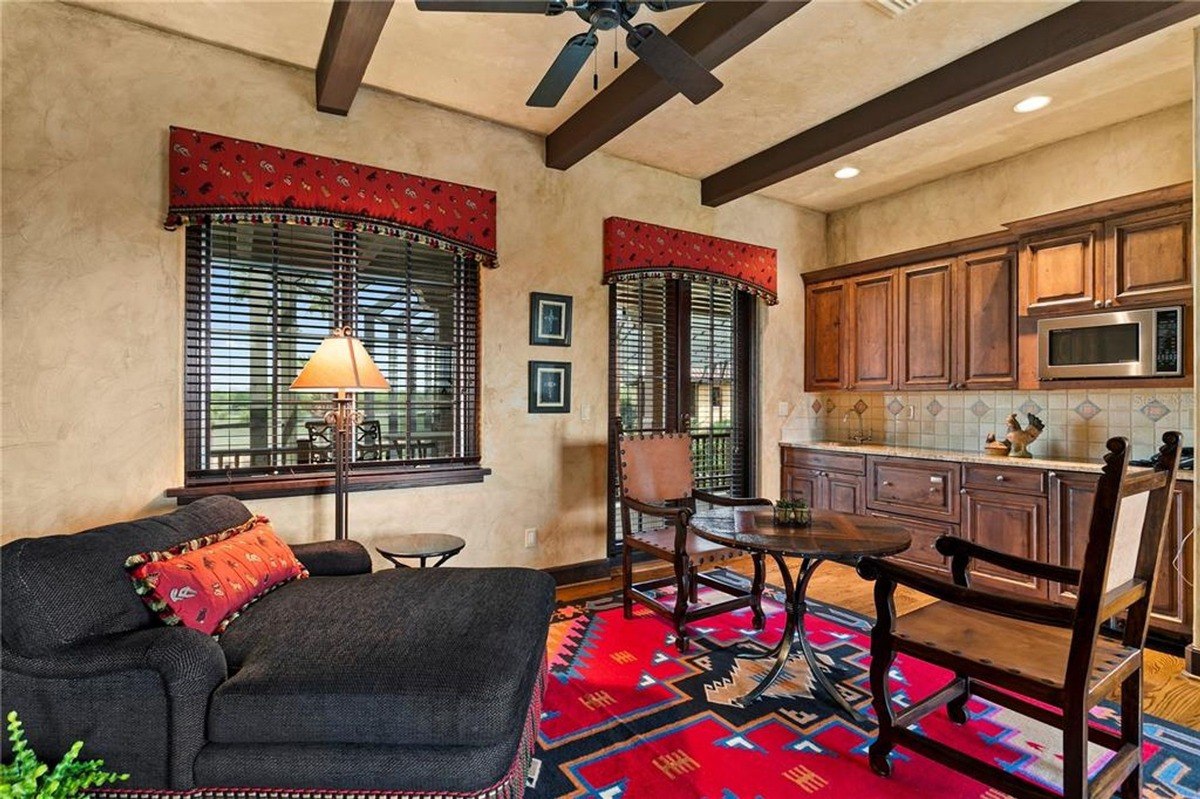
x=660, y=52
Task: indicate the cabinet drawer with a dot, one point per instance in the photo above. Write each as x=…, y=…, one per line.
x=824, y=461
x=1004, y=478
x=923, y=553
x=925, y=489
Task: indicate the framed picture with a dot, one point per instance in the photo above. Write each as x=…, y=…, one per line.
x=549, y=387
x=550, y=319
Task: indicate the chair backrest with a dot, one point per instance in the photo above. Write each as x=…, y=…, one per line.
x=654, y=467
x=1129, y=514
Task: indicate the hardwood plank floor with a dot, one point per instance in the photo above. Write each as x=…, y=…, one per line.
x=1169, y=693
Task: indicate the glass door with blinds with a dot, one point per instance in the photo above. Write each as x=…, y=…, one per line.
x=682, y=352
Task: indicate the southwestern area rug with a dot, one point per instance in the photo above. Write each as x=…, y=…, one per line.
x=625, y=715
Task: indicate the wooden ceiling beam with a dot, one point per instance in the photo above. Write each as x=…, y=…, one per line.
x=712, y=34
x=1076, y=33
x=350, y=39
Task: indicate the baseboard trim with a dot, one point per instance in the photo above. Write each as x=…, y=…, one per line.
x=1191, y=660
x=582, y=572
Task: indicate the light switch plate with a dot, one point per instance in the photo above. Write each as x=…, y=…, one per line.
x=784, y=408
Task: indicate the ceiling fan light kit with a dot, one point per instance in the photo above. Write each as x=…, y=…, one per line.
x=659, y=51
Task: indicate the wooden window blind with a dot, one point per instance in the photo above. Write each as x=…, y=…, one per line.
x=261, y=297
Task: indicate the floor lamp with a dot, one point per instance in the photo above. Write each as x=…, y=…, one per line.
x=341, y=365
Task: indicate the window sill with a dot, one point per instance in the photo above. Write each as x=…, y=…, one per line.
x=307, y=485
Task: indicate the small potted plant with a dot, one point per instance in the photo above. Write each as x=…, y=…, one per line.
x=26, y=777
x=789, y=513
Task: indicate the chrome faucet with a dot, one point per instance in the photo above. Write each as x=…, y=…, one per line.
x=861, y=436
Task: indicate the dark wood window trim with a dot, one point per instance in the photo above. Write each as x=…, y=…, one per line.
x=311, y=484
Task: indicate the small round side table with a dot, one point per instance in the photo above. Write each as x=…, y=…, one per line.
x=419, y=546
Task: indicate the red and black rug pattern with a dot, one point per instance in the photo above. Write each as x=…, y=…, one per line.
x=626, y=715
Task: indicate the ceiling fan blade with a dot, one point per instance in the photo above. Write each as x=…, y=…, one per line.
x=491, y=6
x=566, y=66
x=672, y=63
x=667, y=5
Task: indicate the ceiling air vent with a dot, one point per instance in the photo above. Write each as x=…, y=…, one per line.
x=893, y=8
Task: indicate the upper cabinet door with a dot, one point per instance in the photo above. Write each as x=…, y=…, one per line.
x=825, y=361
x=1148, y=257
x=988, y=320
x=873, y=331
x=926, y=325
x=1058, y=271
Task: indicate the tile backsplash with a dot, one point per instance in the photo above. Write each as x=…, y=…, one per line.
x=1077, y=422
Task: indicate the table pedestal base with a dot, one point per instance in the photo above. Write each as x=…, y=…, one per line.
x=796, y=607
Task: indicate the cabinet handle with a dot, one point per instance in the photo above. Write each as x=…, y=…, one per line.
x=999, y=478
x=1108, y=303
x=887, y=482
x=1098, y=304
x=962, y=490
x=1052, y=475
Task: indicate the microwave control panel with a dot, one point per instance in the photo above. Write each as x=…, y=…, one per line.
x=1167, y=324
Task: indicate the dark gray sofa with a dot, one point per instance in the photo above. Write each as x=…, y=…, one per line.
x=416, y=681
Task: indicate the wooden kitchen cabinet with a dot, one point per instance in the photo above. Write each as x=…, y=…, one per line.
x=925, y=489
x=1071, y=497
x=1058, y=271
x=872, y=331
x=986, y=289
x=825, y=351
x=927, y=325
x=823, y=490
x=1012, y=523
x=1147, y=257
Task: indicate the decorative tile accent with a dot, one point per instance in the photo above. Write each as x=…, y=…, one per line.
x=934, y=408
x=829, y=405
x=895, y=406
x=1029, y=406
x=816, y=406
x=860, y=407
x=1087, y=410
x=1154, y=410
x=980, y=409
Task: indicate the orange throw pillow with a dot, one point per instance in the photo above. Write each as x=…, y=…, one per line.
x=206, y=582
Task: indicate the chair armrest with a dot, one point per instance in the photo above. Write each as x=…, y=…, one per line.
x=891, y=573
x=961, y=551
x=92, y=678
x=728, y=502
x=334, y=558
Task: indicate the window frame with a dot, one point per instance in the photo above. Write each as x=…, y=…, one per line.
x=310, y=479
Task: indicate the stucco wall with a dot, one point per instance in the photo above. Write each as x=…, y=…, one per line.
x=1143, y=153
x=92, y=300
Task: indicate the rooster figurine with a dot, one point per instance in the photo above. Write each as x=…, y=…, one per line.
x=1022, y=438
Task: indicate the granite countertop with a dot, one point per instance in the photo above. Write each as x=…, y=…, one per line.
x=960, y=456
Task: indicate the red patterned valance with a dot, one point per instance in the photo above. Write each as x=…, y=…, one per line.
x=217, y=177
x=635, y=250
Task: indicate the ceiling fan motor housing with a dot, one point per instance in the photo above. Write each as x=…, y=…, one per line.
x=605, y=15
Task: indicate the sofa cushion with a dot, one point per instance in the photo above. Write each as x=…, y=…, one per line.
x=64, y=588
x=432, y=657
x=206, y=582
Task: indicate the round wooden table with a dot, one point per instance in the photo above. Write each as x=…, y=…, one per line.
x=419, y=546
x=839, y=537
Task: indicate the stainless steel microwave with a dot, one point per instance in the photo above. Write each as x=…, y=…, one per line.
x=1146, y=342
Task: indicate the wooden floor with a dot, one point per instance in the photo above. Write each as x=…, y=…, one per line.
x=1170, y=694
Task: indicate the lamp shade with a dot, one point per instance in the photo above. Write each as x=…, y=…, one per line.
x=341, y=363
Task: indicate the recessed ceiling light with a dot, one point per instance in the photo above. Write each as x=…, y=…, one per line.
x=846, y=172
x=1035, y=103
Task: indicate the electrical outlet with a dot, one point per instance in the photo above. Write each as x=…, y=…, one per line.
x=530, y=537
x=585, y=411
x=784, y=409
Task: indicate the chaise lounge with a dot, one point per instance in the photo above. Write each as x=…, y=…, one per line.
x=414, y=681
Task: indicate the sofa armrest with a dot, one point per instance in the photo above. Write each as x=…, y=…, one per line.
x=51, y=686
x=334, y=558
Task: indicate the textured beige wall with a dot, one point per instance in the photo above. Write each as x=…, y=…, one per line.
x=1143, y=153
x=92, y=323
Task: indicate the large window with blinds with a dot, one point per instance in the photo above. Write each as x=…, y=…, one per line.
x=682, y=356
x=261, y=297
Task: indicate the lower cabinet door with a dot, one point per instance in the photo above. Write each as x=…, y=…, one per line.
x=802, y=485
x=845, y=492
x=1010, y=523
